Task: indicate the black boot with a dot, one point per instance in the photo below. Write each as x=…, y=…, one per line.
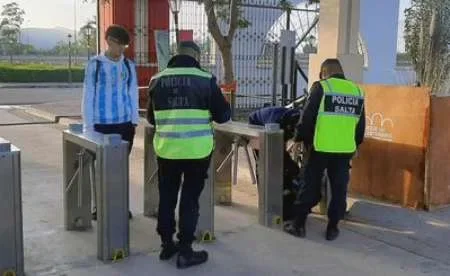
x=169, y=250
x=188, y=258
x=297, y=228
x=332, y=231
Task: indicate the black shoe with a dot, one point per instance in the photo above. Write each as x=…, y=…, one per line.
x=347, y=215
x=94, y=215
x=332, y=232
x=296, y=230
x=168, y=251
x=192, y=258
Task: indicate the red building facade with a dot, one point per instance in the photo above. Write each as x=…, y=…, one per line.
x=141, y=18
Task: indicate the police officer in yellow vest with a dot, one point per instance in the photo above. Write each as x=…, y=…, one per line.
x=333, y=126
x=183, y=102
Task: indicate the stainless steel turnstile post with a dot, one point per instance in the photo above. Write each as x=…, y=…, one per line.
x=111, y=182
x=11, y=223
x=270, y=144
x=205, y=226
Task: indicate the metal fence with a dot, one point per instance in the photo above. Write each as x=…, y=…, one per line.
x=253, y=46
x=44, y=59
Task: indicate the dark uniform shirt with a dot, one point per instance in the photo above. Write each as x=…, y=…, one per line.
x=192, y=95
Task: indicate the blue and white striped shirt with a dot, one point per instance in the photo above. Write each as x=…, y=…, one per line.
x=110, y=100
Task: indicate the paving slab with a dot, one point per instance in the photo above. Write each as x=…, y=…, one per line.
x=378, y=239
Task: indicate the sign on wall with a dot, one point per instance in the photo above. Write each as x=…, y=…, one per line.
x=162, y=48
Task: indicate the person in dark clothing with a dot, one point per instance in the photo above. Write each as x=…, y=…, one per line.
x=332, y=125
x=183, y=100
x=287, y=118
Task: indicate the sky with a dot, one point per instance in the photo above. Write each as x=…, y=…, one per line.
x=72, y=14
x=55, y=13
x=61, y=13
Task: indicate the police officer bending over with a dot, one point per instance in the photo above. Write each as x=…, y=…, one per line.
x=288, y=119
x=333, y=123
x=183, y=100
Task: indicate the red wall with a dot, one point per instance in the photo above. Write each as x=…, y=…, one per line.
x=123, y=12
x=117, y=12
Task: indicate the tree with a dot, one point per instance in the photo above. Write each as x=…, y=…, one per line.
x=24, y=49
x=427, y=41
x=10, y=24
x=225, y=14
x=88, y=37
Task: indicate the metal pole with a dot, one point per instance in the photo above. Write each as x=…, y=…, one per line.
x=88, y=43
x=275, y=74
x=288, y=19
x=294, y=82
x=270, y=175
x=98, y=27
x=177, y=31
x=283, y=76
x=75, y=28
x=307, y=32
x=299, y=69
x=70, y=60
x=292, y=75
x=11, y=226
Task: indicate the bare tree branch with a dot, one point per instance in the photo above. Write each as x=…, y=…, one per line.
x=234, y=19
x=213, y=27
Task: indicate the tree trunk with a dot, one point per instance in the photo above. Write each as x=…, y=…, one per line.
x=227, y=59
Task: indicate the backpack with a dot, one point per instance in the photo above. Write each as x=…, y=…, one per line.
x=127, y=64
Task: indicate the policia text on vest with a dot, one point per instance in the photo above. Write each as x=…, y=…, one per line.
x=182, y=115
x=343, y=104
x=174, y=83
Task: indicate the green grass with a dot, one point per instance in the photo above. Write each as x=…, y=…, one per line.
x=38, y=73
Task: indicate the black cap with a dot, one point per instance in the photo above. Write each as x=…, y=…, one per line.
x=189, y=45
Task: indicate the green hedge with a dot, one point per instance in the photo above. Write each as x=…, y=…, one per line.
x=38, y=73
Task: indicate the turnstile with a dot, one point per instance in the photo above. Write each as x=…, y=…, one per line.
x=11, y=226
x=205, y=226
x=269, y=141
x=92, y=157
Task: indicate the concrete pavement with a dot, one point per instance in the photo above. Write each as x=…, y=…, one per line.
x=31, y=96
x=378, y=239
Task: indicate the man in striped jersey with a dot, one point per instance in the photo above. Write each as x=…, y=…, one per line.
x=110, y=92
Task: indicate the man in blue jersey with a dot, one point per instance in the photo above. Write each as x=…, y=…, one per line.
x=110, y=91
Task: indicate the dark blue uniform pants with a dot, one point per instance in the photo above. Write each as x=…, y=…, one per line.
x=170, y=173
x=338, y=172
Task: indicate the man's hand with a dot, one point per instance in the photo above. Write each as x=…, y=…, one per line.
x=295, y=148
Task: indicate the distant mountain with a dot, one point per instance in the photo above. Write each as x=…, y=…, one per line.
x=42, y=38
